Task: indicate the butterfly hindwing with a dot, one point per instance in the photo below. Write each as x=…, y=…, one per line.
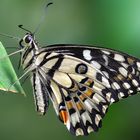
x=79, y=107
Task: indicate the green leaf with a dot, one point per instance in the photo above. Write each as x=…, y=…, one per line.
x=7, y=74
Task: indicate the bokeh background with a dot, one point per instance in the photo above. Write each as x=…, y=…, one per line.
x=108, y=23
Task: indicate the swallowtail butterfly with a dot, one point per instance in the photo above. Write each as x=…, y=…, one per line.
x=81, y=81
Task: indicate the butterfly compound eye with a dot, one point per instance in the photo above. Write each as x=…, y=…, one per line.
x=81, y=68
x=28, y=39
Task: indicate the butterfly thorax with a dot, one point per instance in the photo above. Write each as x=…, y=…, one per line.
x=30, y=51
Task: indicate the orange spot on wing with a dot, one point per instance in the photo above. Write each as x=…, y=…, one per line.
x=79, y=106
x=82, y=97
x=89, y=82
x=69, y=105
x=63, y=116
x=89, y=92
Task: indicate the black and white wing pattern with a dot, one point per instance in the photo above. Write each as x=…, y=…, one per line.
x=82, y=82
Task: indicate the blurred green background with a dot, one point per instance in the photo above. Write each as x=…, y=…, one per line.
x=108, y=23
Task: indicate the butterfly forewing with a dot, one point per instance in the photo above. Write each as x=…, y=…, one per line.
x=117, y=71
x=81, y=81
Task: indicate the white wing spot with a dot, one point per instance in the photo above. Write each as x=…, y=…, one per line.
x=130, y=91
x=126, y=85
x=108, y=96
x=124, y=65
x=85, y=117
x=106, y=74
x=138, y=65
x=138, y=88
x=96, y=64
x=97, y=119
x=112, y=100
x=74, y=119
x=115, y=85
x=105, y=82
x=104, y=108
x=68, y=124
x=121, y=94
x=135, y=83
x=88, y=104
x=90, y=129
x=106, y=52
x=86, y=54
x=79, y=131
x=133, y=71
x=106, y=59
x=123, y=71
x=119, y=57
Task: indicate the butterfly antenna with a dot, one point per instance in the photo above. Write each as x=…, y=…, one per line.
x=21, y=27
x=9, y=36
x=43, y=17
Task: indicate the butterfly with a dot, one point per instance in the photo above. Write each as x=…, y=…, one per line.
x=81, y=81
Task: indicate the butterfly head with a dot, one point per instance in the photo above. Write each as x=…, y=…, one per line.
x=26, y=41
x=28, y=45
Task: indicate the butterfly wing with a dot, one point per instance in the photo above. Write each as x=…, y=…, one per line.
x=84, y=81
x=118, y=71
x=80, y=107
